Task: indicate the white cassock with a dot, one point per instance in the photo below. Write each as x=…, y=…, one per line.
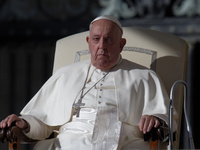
x=113, y=107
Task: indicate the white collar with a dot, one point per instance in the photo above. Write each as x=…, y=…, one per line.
x=93, y=68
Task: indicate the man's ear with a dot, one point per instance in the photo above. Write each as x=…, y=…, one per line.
x=122, y=43
x=87, y=39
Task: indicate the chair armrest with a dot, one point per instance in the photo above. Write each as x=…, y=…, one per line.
x=154, y=134
x=160, y=133
x=11, y=134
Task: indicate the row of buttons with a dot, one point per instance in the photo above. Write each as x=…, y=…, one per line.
x=101, y=84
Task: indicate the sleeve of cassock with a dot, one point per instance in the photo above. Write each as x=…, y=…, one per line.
x=157, y=100
x=38, y=130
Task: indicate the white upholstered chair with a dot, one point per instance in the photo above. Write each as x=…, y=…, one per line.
x=164, y=53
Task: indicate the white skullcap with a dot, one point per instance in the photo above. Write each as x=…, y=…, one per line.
x=111, y=18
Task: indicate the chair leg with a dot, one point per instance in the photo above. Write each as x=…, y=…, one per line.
x=15, y=145
x=153, y=145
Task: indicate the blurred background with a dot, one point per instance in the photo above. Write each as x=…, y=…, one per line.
x=29, y=30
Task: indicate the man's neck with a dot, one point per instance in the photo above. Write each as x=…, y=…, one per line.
x=107, y=69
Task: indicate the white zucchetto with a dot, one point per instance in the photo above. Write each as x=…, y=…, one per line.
x=111, y=18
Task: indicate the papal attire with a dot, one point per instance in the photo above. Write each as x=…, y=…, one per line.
x=114, y=102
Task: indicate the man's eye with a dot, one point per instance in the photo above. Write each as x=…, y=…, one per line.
x=96, y=39
x=108, y=40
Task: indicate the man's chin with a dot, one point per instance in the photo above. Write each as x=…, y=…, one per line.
x=102, y=60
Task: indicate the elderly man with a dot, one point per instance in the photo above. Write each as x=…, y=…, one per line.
x=104, y=103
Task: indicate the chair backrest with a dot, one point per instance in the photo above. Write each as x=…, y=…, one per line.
x=164, y=53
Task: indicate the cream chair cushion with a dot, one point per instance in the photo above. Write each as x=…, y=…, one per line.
x=164, y=53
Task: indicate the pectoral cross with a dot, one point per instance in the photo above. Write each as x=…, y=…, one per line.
x=77, y=107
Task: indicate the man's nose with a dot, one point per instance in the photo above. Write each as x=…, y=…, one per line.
x=102, y=44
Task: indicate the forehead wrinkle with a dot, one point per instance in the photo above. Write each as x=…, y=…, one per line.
x=98, y=28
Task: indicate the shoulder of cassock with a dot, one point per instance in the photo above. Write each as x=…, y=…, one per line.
x=146, y=93
x=48, y=104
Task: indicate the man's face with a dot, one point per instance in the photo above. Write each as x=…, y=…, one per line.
x=105, y=44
